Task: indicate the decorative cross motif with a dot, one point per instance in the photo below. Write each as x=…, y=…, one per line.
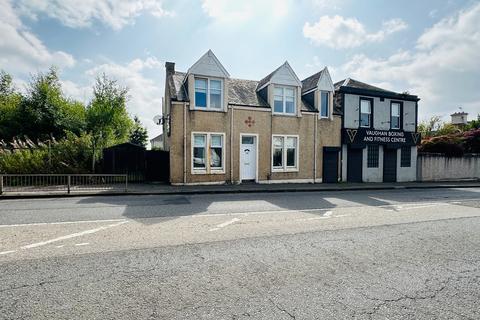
x=249, y=122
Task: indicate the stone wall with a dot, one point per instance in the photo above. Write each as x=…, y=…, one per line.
x=436, y=167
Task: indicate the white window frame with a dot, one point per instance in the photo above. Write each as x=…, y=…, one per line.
x=399, y=115
x=284, y=167
x=284, y=101
x=369, y=114
x=207, y=169
x=321, y=104
x=208, y=107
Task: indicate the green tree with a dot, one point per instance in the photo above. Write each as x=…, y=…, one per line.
x=10, y=116
x=47, y=112
x=139, y=133
x=429, y=127
x=474, y=124
x=107, y=118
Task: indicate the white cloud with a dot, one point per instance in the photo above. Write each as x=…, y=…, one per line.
x=339, y=32
x=145, y=93
x=231, y=11
x=443, y=68
x=20, y=50
x=80, y=14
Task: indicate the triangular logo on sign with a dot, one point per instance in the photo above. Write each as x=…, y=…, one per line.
x=415, y=136
x=351, y=134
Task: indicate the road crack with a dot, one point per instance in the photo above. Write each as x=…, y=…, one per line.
x=283, y=310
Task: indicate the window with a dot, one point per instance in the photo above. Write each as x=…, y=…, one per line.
x=406, y=156
x=365, y=113
x=208, y=94
x=199, y=145
x=278, y=152
x=284, y=100
x=208, y=152
x=216, y=146
x=201, y=93
x=324, y=108
x=372, y=156
x=395, y=115
x=285, y=153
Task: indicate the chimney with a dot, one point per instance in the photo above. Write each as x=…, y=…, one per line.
x=170, y=67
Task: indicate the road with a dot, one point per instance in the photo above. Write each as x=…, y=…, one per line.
x=397, y=254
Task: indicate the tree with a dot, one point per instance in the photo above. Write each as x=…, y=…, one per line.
x=10, y=116
x=428, y=128
x=46, y=112
x=108, y=122
x=139, y=134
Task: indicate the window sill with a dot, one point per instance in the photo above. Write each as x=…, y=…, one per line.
x=324, y=118
x=204, y=172
x=208, y=109
x=285, y=170
x=285, y=114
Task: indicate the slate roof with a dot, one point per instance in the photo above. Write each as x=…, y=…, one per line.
x=311, y=82
x=352, y=83
x=240, y=92
x=267, y=78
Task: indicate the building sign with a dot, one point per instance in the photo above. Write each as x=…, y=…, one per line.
x=364, y=136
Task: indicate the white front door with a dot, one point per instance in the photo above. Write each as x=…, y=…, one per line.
x=248, y=158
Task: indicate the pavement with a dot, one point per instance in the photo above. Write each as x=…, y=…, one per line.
x=167, y=189
x=371, y=254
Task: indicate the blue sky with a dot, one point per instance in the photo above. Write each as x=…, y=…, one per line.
x=429, y=48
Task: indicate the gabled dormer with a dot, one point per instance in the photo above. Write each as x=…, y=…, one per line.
x=282, y=89
x=207, y=84
x=317, y=91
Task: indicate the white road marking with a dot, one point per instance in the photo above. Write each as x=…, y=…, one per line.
x=82, y=244
x=55, y=223
x=70, y=236
x=7, y=252
x=226, y=223
x=60, y=246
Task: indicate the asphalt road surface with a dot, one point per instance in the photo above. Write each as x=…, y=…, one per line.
x=397, y=254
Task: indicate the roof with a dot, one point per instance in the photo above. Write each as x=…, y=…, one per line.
x=311, y=82
x=240, y=92
x=125, y=145
x=265, y=80
x=352, y=83
x=157, y=138
x=243, y=92
x=176, y=86
x=459, y=113
x=358, y=87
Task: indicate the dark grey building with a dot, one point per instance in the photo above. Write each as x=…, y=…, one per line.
x=379, y=133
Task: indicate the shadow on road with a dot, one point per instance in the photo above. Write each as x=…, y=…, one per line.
x=172, y=206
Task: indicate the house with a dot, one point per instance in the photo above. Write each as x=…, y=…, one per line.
x=459, y=118
x=379, y=133
x=277, y=129
x=157, y=142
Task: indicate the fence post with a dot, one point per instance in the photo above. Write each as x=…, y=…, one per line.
x=1, y=184
x=126, y=182
x=68, y=184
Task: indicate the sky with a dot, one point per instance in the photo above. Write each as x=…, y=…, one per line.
x=428, y=48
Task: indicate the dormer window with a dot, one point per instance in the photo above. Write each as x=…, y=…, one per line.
x=324, y=104
x=284, y=100
x=208, y=94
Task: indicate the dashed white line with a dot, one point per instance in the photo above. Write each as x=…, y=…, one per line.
x=73, y=235
x=7, y=252
x=55, y=223
x=226, y=223
x=82, y=244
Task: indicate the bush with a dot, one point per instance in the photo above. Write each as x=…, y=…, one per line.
x=72, y=154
